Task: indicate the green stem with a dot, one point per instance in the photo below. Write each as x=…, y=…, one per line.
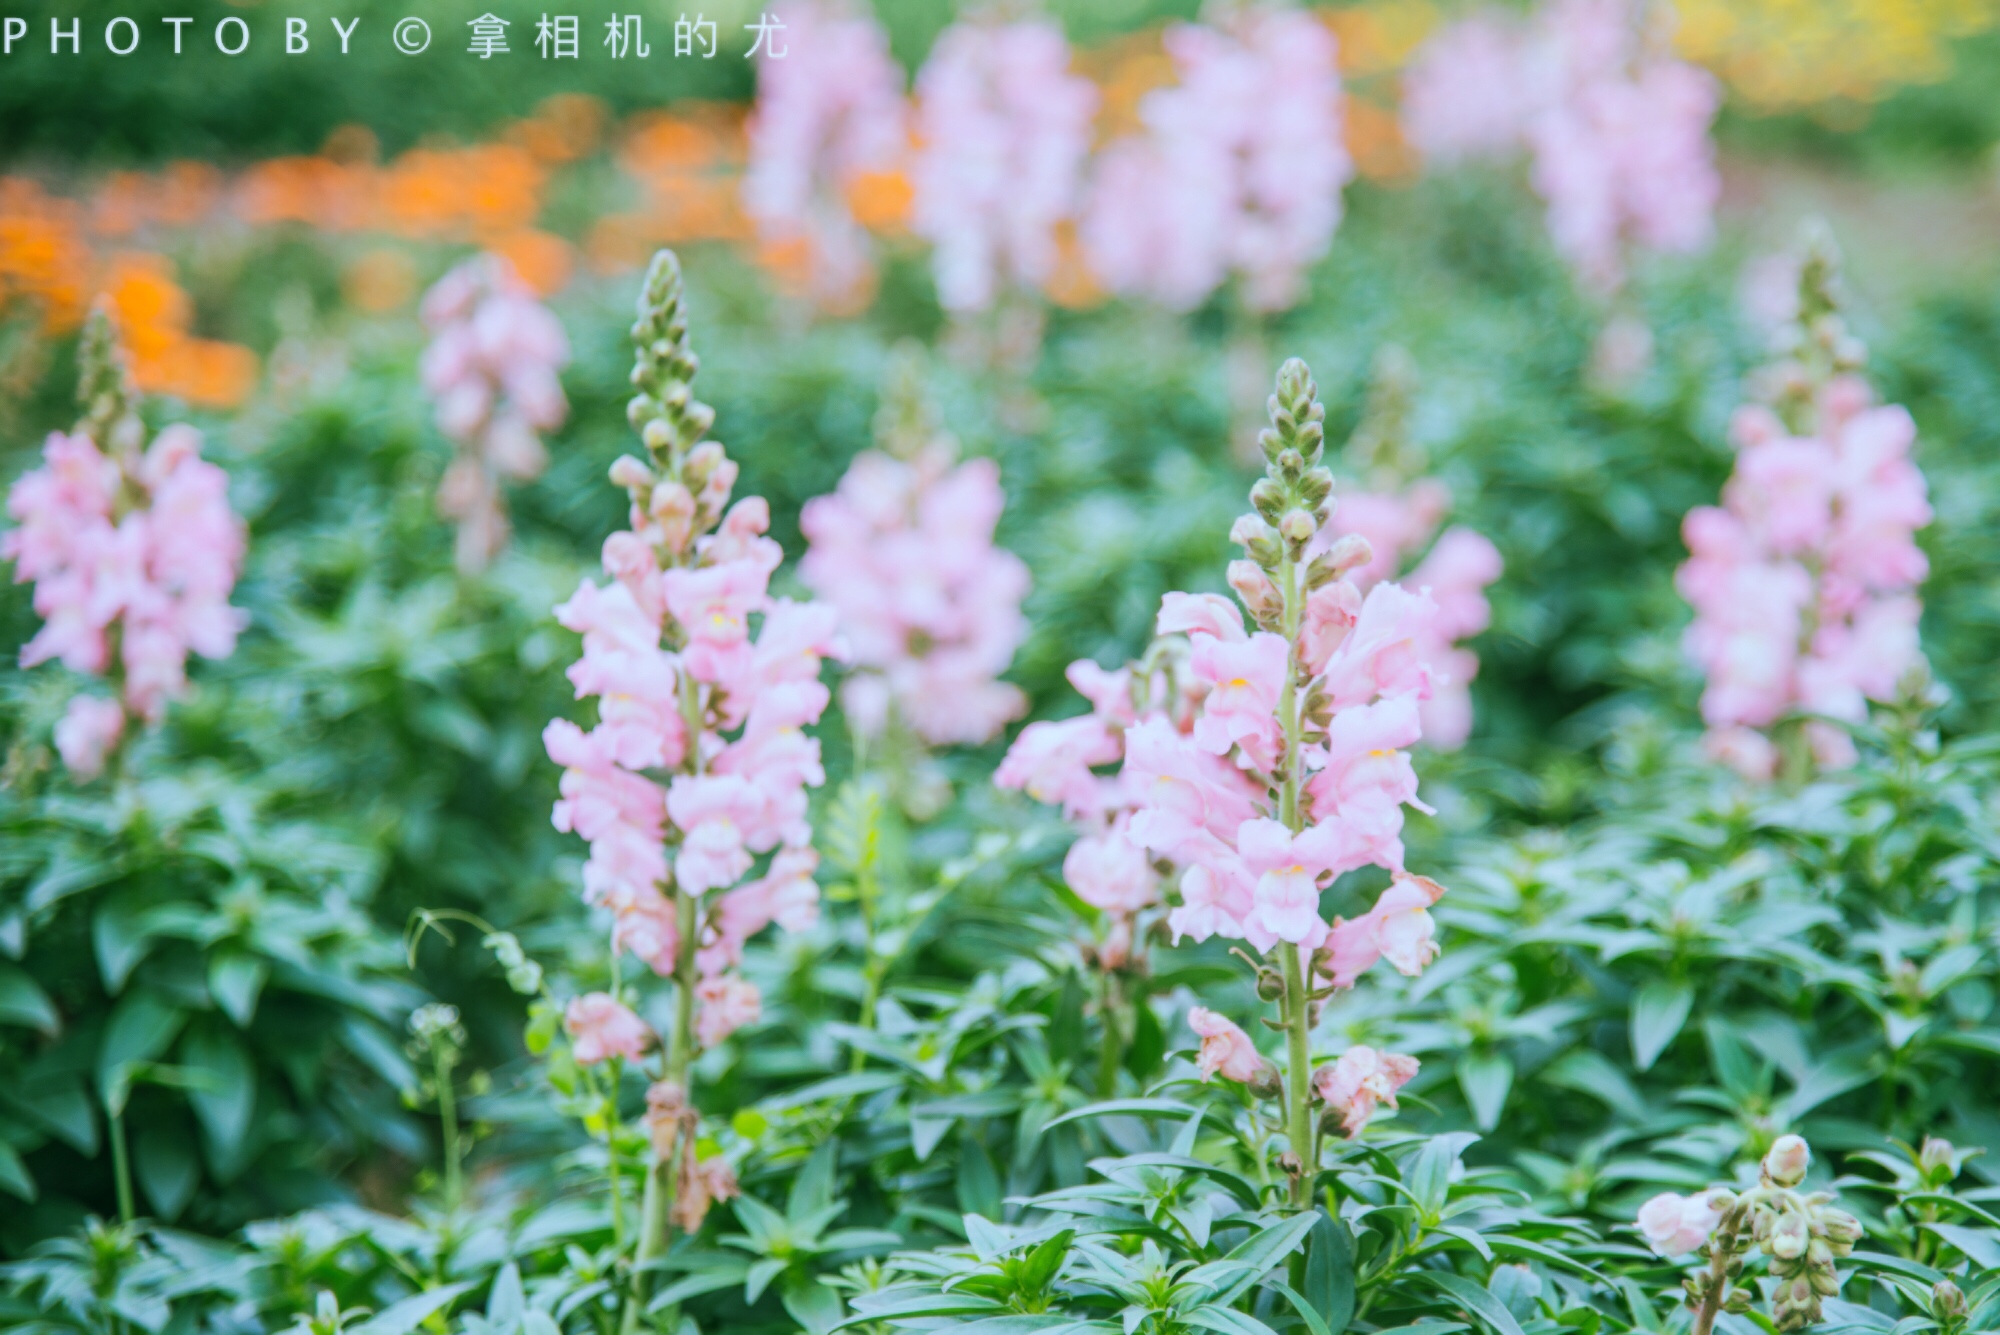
x=867, y=891
x=1718, y=1283
x=1112, y=1054
x=662, y=1184
x=1298, y=1078
x=448, y=1114
x=121, y=1168
x=616, y=1170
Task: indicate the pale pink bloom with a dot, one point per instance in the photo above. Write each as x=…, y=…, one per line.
x=1745, y=750
x=1181, y=792
x=926, y=600
x=1110, y=872
x=1365, y=778
x=1199, y=614
x=713, y=604
x=1331, y=611
x=1289, y=869
x=1003, y=128
x=724, y=1005
x=1215, y=901
x=1239, y=169
x=1463, y=92
x=1244, y=680
x=600, y=1026
x=1396, y=524
x=1383, y=654
x=1675, y=1225
x=1052, y=762
x=1399, y=928
x=1109, y=693
x=1360, y=1081
x=828, y=114
x=644, y=926
x=1225, y=1049
x=87, y=733
x=493, y=367
x=716, y=812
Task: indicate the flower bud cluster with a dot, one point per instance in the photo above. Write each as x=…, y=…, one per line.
x=133, y=549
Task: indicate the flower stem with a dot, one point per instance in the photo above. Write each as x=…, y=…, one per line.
x=1298, y=1076
x=121, y=1168
x=662, y=1184
x=1112, y=1054
x=448, y=1116
x=1711, y=1302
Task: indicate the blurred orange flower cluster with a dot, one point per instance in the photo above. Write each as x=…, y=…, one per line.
x=1793, y=53
x=166, y=357
x=685, y=164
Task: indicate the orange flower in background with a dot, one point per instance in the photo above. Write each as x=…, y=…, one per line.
x=1375, y=140
x=564, y=128
x=880, y=201
x=1781, y=53
x=1379, y=38
x=543, y=259
x=380, y=281
x=43, y=258
x=166, y=359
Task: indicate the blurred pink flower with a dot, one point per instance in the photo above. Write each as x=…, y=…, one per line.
x=1674, y=1225
x=600, y=1026
x=1239, y=170
x=928, y=603
x=829, y=113
x=87, y=733
x=493, y=367
x=1003, y=128
x=724, y=1005
x=1399, y=928
x=1110, y=872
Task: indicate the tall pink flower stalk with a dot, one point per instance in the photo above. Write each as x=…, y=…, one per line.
x=1617, y=128
x=133, y=549
x=1804, y=580
x=1399, y=514
x=494, y=368
x=1003, y=128
x=829, y=113
x=929, y=605
x=691, y=789
x=1239, y=170
x=1292, y=770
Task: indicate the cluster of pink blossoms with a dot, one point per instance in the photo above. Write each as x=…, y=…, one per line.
x=929, y=606
x=133, y=550
x=1239, y=170
x=1003, y=129
x=1618, y=129
x=829, y=114
x=1282, y=762
x=1804, y=581
x=687, y=691
x=493, y=366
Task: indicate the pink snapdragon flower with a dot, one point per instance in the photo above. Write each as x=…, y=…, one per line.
x=1361, y=1081
x=1617, y=128
x=1399, y=929
x=829, y=114
x=126, y=544
x=1003, y=128
x=600, y=1026
x=493, y=366
x=1225, y=1049
x=725, y=1004
x=1803, y=582
x=699, y=763
x=1674, y=1225
x=1239, y=169
x=929, y=604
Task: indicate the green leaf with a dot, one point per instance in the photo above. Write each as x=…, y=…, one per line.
x=1658, y=1012
x=1262, y=1250
x=978, y=1181
x=1475, y=1300
x=1981, y=1248
x=403, y=1317
x=1225, y=1320
x=813, y=1305
x=759, y=1277
x=142, y=1024
x=506, y=1304
x=118, y=933
x=1428, y=1175
x=22, y=1001
x=15, y=1179
x=236, y=980
x=813, y=1188
x=1590, y=1072
x=1148, y=1045
x=1315, y=1324
x=926, y=1305
x=163, y=1161
x=224, y=1094
x=1126, y=1108
x=712, y=1278
x=1330, y=1277
x=1486, y=1077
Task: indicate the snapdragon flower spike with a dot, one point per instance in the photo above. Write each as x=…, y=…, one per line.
x=829, y=116
x=1239, y=169
x=1618, y=130
x=1326, y=782
x=133, y=549
x=930, y=606
x=493, y=367
x=1399, y=514
x=1003, y=129
x=705, y=683
x=1803, y=582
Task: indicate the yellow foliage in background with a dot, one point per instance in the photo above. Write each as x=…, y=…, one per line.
x=1790, y=53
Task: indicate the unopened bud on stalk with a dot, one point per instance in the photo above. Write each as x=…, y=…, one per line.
x=1947, y=1301
x=1266, y=1083
x=1787, y=1161
x=1936, y=1159
x=1297, y=527
x=630, y=474
x=1270, y=985
x=1351, y=552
